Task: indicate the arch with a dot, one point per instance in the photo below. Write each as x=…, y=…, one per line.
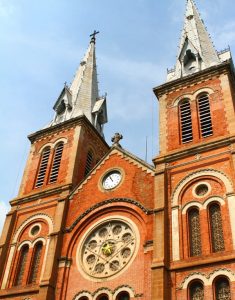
x=102, y=291
x=196, y=290
x=222, y=288
x=185, y=121
x=52, y=145
x=194, y=277
x=124, y=288
x=45, y=146
x=221, y=272
x=213, y=199
x=206, y=172
x=24, y=243
x=40, y=239
x=29, y=220
x=190, y=205
x=82, y=294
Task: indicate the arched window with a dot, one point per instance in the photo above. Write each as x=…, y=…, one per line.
x=196, y=291
x=56, y=162
x=217, y=236
x=21, y=265
x=222, y=289
x=205, y=115
x=185, y=121
x=194, y=232
x=43, y=167
x=103, y=297
x=83, y=298
x=89, y=162
x=123, y=296
x=35, y=264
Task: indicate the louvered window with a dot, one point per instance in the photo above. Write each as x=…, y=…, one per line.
x=35, y=263
x=205, y=115
x=222, y=289
x=217, y=236
x=194, y=232
x=196, y=291
x=185, y=121
x=89, y=162
x=43, y=167
x=21, y=265
x=56, y=163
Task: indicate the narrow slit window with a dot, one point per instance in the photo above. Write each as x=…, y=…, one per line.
x=89, y=162
x=186, y=121
x=216, y=226
x=43, y=167
x=21, y=265
x=205, y=115
x=56, y=163
x=194, y=232
x=35, y=263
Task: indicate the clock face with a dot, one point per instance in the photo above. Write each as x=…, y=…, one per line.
x=108, y=249
x=111, y=180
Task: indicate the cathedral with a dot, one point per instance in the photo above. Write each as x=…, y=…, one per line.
x=94, y=222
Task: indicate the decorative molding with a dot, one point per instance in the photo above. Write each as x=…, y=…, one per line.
x=45, y=217
x=207, y=279
x=105, y=202
x=205, y=172
x=203, y=205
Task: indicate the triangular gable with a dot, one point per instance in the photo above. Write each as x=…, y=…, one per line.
x=131, y=158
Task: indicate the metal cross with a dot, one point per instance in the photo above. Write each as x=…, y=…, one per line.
x=94, y=34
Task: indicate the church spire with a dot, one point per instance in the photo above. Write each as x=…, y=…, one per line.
x=82, y=97
x=196, y=50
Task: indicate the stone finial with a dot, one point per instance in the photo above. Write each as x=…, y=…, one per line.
x=116, y=138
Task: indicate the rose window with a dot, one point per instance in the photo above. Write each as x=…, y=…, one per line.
x=108, y=249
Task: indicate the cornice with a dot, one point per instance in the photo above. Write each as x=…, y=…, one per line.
x=167, y=87
x=193, y=150
x=40, y=194
x=80, y=120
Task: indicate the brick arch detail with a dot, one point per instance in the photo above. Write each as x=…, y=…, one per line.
x=30, y=219
x=124, y=288
x=175, y=204
x=83, y=294
x=206, y=172
x=203, y=205
x=221, y=272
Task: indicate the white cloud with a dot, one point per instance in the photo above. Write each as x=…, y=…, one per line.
x=6, y=9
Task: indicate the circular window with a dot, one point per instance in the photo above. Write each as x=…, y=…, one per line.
x=108, y=248
x=35, y=230
x=201, y=190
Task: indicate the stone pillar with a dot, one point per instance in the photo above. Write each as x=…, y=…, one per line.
x=159, y=274
x=5, y=243
x=49, y=275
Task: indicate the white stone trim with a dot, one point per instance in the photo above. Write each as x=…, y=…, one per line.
x=39, y=239
x=44, y=259
x=44, y=146
x=124, y=289
x=103, y=291
x=30, y=219
x=33, y=225
x=191, y=204
x=208, y=172
x=231, y=208
x=194, y=276
x=222, y=272
x=198, y=184
x=24, y=243
x=175, y=234
x=52, y=145
x=213, y=199
x=83, y=294
x=175, y=210
x=8, y=267
x=192, y=96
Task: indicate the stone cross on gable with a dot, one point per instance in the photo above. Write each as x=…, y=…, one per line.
x=116, y=138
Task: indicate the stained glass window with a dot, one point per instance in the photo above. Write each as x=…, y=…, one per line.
x=216, y=228
x=35, y=263
x=196, y=291
x=222, y=289
x=21, y=265
x=194, y=232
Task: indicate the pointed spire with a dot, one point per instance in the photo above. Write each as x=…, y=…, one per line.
x=84, y=93
x=196, y=50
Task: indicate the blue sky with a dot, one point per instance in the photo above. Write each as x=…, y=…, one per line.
x=42, y=43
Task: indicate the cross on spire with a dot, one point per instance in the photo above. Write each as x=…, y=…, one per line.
x=93, y=36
